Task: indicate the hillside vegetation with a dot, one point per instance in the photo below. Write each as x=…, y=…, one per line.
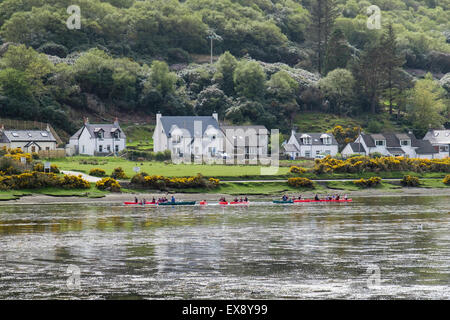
x=276, y=60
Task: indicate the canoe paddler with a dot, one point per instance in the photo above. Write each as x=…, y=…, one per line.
x=173, y=199
x=316, y=197
x=136, y=200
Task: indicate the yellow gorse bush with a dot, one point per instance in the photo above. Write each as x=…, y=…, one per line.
x=37, y=180
x=446, y=179
x=161, y=182
x=367, y=164
x=17, y=153
x=110, y=184
x=297, y=170
x=410, y=181
x=300, y=183
x=97, y=172
x=368, y=183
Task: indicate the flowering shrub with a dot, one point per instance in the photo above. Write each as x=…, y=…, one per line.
x=97, y=172
x=298, y=170
x=369, y=183
x=40, y=168
x=162, y=183
x=367, y=164
x=36, y=180
x=446, y=179
x=17, y=153
x=410, y=181
x=300, y=183
x=108, y=184
x=118, y=173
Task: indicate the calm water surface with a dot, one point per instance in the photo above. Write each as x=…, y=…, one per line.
x=306, y=251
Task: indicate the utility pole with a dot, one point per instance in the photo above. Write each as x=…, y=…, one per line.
x=213, y=36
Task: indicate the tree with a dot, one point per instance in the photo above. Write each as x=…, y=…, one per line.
x=210, y=100
x=249, y=79
x=338, y=52
x=225, y=69
x=162, y=79
x=338, y=87
x=425, y=104
x=392, y=62
x=323, y=14
x=370, y=73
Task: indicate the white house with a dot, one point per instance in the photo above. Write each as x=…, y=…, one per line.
x=28, y=140
x=310, y=145
x=248, y=142
x=390, y=144
x=440, y=140
x=97, y=139
x=202, y=136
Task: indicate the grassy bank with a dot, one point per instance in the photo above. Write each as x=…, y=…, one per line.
x=6, y=195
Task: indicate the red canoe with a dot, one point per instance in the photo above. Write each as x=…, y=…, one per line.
x=311, y=200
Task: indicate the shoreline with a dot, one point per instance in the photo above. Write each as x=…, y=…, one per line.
x=119, y=198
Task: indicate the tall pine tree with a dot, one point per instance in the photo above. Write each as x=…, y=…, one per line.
x=338, y=52
x=392, y=62
x=323, y=14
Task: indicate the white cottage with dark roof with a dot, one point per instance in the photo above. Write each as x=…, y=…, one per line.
x=310, y=145
x=28, y=140
x=97, y=139
x=182, y=135
x=390, y=144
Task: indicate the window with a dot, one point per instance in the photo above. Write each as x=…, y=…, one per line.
x=307, y=154
x=306, y=140
x=327, y=151
x=108, y=147
x=33, y=149
x=317, y=152
x=100, y=148
x=82, y=148
x=379, y=142
x=443, y=149
x=404, y=142
x=117, y=148
x=176, y=139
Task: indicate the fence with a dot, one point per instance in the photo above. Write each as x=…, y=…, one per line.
x=58, y=153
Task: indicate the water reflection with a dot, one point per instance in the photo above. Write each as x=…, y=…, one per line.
x=264, y=251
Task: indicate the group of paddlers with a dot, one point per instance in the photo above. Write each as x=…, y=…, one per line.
x=160, y=200
x=245, y=199
x=316, y=197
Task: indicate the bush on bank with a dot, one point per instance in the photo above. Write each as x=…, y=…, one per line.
x=297, y=170
x=109, y=184
x=97, y=172
x=158, y=182
x=300, y=183
x=447, y=179
x=118, y=173
x=410, y=181
x=37, y=180
x=367, y=164
x=368, y=183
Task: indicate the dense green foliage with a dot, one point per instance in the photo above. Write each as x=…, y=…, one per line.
x=271, y=55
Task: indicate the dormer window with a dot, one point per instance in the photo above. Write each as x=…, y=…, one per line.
x=326, y=139
x=176, y=139
x=405, y=143
x=380, y=143
x=306, y=139
x=100, y=135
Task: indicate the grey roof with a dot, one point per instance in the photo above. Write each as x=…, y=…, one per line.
x=187, y=122
x=438, y=136
x=93, y=128
x=425, y=147
x=393, y=142
x=290, y=148
x=27, y=135
x=395, y=150
x=357, y=147
x=315, y=136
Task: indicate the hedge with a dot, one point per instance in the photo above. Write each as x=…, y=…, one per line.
x=36, y=180
x=300, y=183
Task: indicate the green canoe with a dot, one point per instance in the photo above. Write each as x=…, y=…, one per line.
x=179, y=203
x=281, y=201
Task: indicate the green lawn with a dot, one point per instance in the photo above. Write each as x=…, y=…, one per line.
x=139, y=137
x=350, y=186
x=154, y=167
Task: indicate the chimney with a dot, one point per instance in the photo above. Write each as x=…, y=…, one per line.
x=86, y=120
x=292, y=132
x=116, y=122
x=215, y=116
x=48, y=128
x=2, y=128
x=158, y=116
